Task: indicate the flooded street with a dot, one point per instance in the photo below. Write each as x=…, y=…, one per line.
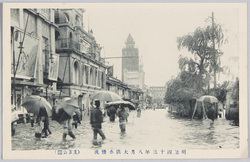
x=154, y=129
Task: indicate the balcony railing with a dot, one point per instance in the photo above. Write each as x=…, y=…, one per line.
x=67, y=43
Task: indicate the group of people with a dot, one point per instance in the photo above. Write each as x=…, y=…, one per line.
x=122, y=112
x=96, y=120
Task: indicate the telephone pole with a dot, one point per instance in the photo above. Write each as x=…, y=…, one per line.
x=214, y=53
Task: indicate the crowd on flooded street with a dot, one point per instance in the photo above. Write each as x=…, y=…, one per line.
x=153, y=129
x=41, y=122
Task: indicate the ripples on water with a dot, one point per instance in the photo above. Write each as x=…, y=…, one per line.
x=154, y=129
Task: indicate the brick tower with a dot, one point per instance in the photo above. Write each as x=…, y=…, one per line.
x=130, y=60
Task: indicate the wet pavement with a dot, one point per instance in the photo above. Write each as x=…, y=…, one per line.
x=154, y=129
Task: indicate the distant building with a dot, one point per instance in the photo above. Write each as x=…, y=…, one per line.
x=128, y=93
x=132, y=70
x=81, y=70
x=158, y=94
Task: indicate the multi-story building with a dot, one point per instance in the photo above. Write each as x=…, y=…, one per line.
x=81, y=69
x=132, y=70
x=158, y=94
x=53, y=56
x=125, y=91
x=34, y=63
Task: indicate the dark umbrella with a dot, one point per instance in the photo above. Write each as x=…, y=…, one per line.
x=37, y=105
x=124, y=103
x=62, y=116
x=66, y=108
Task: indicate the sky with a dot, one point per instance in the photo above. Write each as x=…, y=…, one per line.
x=155, y=28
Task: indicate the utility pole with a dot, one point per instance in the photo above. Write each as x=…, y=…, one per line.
x=214, y=53
x=14, y=66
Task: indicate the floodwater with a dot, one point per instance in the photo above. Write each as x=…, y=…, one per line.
x=154, y=129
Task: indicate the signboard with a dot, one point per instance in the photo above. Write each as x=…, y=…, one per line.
x=25, y=62
x=110, y=70
x=84, y=46
x=53, y=67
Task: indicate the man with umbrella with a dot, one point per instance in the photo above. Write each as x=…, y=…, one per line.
x=40, y=107
x=65, y=110
x=43, y=117
x=122, y=114
x=96, y=120
x=111, y=112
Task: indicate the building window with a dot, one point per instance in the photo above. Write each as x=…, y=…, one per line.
x=102, y=81
x=91, y=76
x=57, y=35
x=83, y=74
x=99, y=78
x=96, y=77
x=87, y=74
x=76, y=73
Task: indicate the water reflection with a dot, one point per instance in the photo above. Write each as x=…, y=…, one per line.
x=123, y=135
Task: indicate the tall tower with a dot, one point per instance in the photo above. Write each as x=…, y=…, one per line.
x=130, y=57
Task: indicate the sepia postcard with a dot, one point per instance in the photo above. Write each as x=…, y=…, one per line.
x=125, y=81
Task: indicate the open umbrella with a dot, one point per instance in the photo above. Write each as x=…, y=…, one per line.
x=124, y=103
x=106, y=96
x=37, y=105
x=207, y=98
x=211, y=112
x=66, y=108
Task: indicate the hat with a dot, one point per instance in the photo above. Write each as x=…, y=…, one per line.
x=97, y=102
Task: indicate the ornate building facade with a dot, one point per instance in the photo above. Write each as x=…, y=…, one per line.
x=81, y=69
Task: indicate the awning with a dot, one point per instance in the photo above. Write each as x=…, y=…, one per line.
x=28, y=83
x=56, y=93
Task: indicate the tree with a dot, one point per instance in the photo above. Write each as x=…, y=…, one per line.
x=200, y=44
x=235, y=94
x=221, y=92
x=195, y=72
x=181, y=91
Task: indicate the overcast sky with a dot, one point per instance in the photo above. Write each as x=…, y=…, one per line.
x=155, y=28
